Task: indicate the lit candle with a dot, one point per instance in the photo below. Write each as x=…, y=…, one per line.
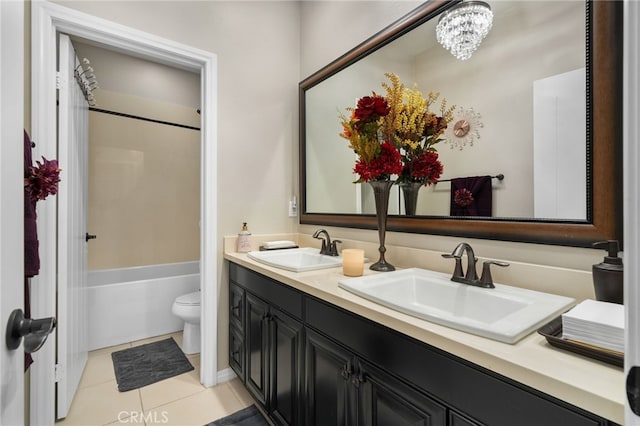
x=352, y=262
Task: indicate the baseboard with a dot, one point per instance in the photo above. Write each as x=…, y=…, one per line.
x=226, y=375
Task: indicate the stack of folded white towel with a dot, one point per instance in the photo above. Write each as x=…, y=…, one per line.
x=596, y=323
x=281, y=244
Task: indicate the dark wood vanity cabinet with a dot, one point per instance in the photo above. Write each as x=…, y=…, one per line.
x=272, y=346
x=236, y=330
x=308, y=362
x=342, y=389
x=274, y=357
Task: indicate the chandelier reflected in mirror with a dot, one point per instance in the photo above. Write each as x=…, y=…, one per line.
x=462, y=28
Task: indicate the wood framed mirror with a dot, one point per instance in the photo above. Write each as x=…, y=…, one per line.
x=603, y=148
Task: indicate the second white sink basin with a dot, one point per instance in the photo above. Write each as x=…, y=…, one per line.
x=297, y=259
x=504, y=313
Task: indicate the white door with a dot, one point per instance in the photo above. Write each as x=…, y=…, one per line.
x=11, y=205
x=73, y=139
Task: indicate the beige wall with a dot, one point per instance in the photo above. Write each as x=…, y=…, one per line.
x=144, y=184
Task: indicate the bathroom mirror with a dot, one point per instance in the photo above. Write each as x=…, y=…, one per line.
x=587, y=43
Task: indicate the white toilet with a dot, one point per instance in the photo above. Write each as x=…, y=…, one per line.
x=187, y=307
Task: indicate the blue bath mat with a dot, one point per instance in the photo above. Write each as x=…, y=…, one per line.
x=249, y=416
x=146, y=364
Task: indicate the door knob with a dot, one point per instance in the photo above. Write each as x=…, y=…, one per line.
x=633, y=389
x=88, y=236
x=34, y=331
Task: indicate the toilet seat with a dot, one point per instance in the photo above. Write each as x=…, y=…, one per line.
x=190, y=299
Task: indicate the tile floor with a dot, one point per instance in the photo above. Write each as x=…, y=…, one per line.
x=180, y=400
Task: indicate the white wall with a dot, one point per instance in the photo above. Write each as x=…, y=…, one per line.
x=329, y=29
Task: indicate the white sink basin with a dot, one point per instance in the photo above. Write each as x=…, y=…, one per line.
x=504, y=313
x=296, y=260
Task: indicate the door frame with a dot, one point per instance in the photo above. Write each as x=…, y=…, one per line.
x=46, y=20
x=631, y=167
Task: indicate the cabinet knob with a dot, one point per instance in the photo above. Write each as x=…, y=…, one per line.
x=347, y=370
x=345, y=373
x=357, y=380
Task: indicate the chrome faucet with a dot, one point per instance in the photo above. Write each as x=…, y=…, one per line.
x=471, y=276
x=329, y=247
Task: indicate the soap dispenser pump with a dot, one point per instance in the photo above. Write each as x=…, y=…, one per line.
x=244, y=242
x=608, y=274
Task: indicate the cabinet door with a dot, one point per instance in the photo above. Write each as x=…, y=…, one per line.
x=287, y=346
x=257, y=351
x=328, y=370
x=236, y=307
x=236, y=352
x=385, y=400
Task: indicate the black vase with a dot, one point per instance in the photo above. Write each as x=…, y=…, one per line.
x=410, y=194
x=381, y=190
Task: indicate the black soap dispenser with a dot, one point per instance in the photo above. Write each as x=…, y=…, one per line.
x=607, y=275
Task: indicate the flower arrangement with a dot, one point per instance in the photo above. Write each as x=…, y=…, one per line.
x=42, y=179
x=415, y=129
x=396, y=134
x=376, y=160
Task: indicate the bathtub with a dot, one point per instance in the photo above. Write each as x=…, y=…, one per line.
x=134, y=303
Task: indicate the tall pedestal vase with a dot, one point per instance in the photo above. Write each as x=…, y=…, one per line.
x=381, y=189
x=410, y=194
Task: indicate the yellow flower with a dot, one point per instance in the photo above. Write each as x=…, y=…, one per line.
x=410, y=121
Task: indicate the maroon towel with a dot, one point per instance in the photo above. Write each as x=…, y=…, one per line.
x=471, y=196
x=31, y=257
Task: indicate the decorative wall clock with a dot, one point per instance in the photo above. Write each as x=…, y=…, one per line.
x=464, y=129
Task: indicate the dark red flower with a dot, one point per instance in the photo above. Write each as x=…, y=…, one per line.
x=426, y=167
x=43, y=179
x=388, y=162
x=371, y=108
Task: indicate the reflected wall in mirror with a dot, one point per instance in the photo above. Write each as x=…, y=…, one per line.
x=545, y=83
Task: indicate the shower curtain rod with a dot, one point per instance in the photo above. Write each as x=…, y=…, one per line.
x=137, y=117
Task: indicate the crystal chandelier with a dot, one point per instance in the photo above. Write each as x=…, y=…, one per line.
x=462, y=28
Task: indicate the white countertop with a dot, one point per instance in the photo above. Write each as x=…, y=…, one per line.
x=592, y=385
